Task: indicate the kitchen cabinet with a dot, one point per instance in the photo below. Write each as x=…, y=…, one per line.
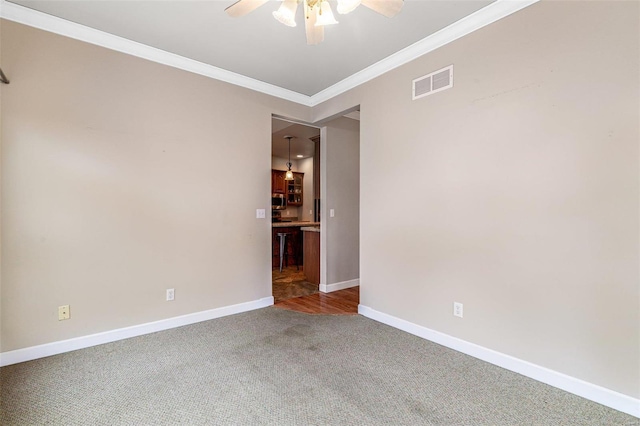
x=277, y=182
x=295, y=189
x=311, y=256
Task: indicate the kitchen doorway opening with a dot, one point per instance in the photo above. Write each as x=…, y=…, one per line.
x=295, y=209
x=315, y=233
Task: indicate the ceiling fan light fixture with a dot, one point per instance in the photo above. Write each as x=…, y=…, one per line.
x=325, y=15
x=286, y=13
x=347, y=6
x=317, y=13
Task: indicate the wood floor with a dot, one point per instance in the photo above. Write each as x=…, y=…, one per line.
x=341, y=302
x=290, y=283
x=292, y=291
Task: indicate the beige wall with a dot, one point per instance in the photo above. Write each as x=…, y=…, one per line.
x=278, y=163
x=306, y=166
x=122, y=178
x=523, y=182
x=340, y=188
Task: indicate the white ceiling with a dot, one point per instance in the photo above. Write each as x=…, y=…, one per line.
x=256, y=45
x=300, y=145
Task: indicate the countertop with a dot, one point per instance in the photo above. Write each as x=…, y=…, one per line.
x=310, y=229
x=293, y=224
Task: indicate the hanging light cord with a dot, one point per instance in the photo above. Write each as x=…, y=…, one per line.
x=289, y=163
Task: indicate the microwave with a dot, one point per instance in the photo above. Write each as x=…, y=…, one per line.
x=278, y=202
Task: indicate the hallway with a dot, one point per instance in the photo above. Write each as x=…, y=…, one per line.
x=292, y=292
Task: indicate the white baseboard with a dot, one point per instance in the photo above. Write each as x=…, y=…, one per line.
x=328, y=288
x=54, y=348
x=587, y=390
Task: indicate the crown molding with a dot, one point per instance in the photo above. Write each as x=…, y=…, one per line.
x=46, y=22
x=481, y=18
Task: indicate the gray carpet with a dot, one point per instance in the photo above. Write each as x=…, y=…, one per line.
x=278, y=367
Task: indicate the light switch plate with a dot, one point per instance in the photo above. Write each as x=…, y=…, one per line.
x=332, y=213
x=260, y=213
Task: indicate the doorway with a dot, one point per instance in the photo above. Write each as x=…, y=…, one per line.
x=295, y=207
x=335, y=193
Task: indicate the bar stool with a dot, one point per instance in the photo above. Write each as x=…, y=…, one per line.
x=284, y=252
x=283, y=239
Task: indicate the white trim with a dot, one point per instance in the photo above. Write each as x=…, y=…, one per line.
x=354, y=115
x=481, y=18
x=328, y=288
x=33, y=18
x=54, y=348
x=587, y=390
x=294, y=121
x=324, y=212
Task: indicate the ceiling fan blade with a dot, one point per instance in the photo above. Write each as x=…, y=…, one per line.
x=315, y=34
x=242, y=7
x=388, y=8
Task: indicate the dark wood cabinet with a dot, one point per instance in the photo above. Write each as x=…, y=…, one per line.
x=278, y=185
x=295, y=189
x=311, y=257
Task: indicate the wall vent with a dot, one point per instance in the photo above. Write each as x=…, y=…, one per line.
x=432, y=83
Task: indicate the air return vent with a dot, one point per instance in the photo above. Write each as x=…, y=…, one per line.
x=432, y=83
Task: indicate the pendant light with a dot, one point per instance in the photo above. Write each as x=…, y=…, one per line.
x=289, y=174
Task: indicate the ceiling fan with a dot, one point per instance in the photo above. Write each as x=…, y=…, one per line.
x=317, y=13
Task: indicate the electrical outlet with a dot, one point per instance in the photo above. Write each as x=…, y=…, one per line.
x=288, y=212
x=310, y=211
x=457, y=309
x=170, y=294
x=64, y=313
x=260, y=213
